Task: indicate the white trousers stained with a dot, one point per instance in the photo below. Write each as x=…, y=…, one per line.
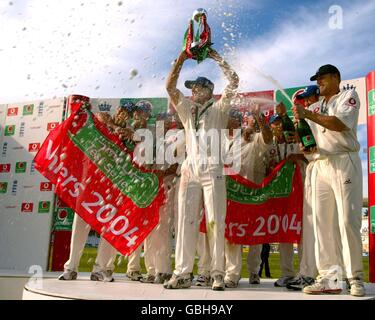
x=106, y=254
x=254, y=258
x=212, y=183
x=233, y=261
x=336, y=183
x=158, y=244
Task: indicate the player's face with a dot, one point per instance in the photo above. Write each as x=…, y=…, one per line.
x=201, y=94
x=251, y=122
x=277, y=128
x=328, y=84
x=121, y=117
x=233, y=123
x=310, y=100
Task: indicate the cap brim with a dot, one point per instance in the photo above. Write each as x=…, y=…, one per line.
x=314, y=77
x=189, y=84
x=301, y=96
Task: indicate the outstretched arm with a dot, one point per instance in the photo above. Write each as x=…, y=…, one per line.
x=229, y=73
x=172, y=90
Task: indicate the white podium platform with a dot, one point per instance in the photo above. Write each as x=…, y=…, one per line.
x=124, y=289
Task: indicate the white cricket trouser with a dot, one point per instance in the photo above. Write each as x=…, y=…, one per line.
x=307, y=263
x=158, y=244
x=106, y=254
x=254, y=258
x=212, y=182
x=233, y=261
x=336, y=183
x=134, y=260
x=204, y=255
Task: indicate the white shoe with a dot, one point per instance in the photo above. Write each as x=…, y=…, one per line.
x=68, y=275
x=218, y=283
x=134, y=275
x=230, y=283
x=322, y=286
x=357, y=288
x=203, y=281
x=105, y=276
x=283, y=281
x=254, y=278
x=178, y=282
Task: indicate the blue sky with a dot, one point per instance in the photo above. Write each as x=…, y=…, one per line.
x=53, y=48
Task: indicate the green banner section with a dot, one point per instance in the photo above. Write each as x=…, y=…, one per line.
x=372, y=219
x=371, y=102
x=372, y=159
x=279, y=187
x=115, y=164
x=157, y=105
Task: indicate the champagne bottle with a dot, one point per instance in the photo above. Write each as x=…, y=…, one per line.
x=305, y=134
x=288, y=126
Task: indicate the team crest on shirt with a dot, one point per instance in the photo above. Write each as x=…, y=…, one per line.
x=316, y=109
x=351, y=102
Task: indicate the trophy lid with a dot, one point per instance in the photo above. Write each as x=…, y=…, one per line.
x=198, y=13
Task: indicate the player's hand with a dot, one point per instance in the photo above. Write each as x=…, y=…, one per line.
x=124, y=133
x=306, y=150
x=292, y=137
x=281, y=109
x=299, y=111
x=213, y=54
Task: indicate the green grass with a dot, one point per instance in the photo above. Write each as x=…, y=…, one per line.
x=89, y=254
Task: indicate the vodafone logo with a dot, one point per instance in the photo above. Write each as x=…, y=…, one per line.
x=12, y=111
x=352, y=101
x=34, y=147
x=62, y=214
x=5, y=167
x=27, y=207
x=45, y=186
x=52, y=125
x=316, y=110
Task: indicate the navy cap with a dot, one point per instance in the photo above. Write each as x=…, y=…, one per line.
x=308, y=92
x=236, y=114
x=128, y=106
x=204, y=82
x=143, y=105
x=273, y=118
x=327, y=68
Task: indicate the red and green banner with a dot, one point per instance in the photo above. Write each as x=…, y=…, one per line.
x=270, y=212
x=96, y=177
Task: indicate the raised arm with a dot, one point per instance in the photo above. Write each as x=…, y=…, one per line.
x=229, y=73
x=172, y=90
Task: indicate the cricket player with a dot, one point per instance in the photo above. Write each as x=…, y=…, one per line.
x=336, y=183
x=104, y=263
x=307, y=264
x=201, y=171
x=282, y=149
x=254, y=145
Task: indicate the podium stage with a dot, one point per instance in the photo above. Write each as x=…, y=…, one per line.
x=124, y=289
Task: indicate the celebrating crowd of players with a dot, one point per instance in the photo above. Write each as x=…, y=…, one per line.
x=330, y=248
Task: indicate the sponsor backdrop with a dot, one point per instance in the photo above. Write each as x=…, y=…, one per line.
x=26, y=197
x=27, y=202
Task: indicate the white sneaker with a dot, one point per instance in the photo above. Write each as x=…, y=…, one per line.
x=322, y=286
x=134, y=275
x=230, y=283
x=357, y=288
x=203, y=281
x=105, y=276
x=178, y=282
x=218, y=283
x=68, y=275
x=254, y=278
x=283, y=281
